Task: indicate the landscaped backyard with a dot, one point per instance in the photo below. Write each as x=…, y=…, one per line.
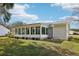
x=17, y=47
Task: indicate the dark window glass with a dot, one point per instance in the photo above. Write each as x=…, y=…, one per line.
x=27, y=30
x=16, y=31
x=43, y=30
x=23, y=30
x=19, y=31
x=46, y=30
x=37, y=30
x=32, y=30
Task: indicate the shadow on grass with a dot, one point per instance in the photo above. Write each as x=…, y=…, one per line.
x=54, y=41
x=33, y=49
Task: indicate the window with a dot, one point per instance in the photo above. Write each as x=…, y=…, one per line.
x=19, y=30
x=43, y=30
x=27, y=30
x=23, y=30
x=37, y=30
x=16, y=31
x=46, y=30
x=32, y=30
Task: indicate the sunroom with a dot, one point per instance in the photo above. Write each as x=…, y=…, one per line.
x=34, y=31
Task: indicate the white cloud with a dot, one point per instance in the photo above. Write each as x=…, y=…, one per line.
x=69, y=18
x=73, y=7
x=19, y=12
x=17, y=9
x=26, y=5
x=73, y=21
x=46, y=21
x=68, y=6
x=66, y=17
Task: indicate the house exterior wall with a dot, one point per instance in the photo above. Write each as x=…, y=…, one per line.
x=60, y=31
x=32, y=36
x=3, y=30
x=55, y=31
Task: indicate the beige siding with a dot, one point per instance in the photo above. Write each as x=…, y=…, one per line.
x=60, y=31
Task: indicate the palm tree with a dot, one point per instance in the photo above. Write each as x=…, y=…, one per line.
x=4, y=12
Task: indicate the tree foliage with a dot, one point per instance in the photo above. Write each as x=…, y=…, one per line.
x=4, y=11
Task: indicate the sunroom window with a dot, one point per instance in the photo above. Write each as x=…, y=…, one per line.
x=19, y=31
x=27, y=30
x=32, y=30
x=46, y=30
x=37, y=30
x=16, y=31
x=23, y=30
x=43, y=30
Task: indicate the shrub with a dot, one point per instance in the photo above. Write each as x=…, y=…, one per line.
x=9, y=35
x=70, y=38
x=58, y=40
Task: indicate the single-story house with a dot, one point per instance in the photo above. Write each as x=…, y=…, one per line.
x=71, y=32
x=3, y=30
x=57, y=30
x=74, y=32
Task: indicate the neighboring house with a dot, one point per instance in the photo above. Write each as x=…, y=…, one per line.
x=3, y=30
x=71, y=32
x=74, y=31
x=57, y=30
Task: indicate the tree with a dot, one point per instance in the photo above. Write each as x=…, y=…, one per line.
x=5, y=15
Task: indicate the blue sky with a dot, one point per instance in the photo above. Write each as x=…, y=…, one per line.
x=41, y=12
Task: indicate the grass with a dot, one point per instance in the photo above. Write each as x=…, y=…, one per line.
x=21, y=47
x=72, y=45
x=14, y=47
x=75, y=36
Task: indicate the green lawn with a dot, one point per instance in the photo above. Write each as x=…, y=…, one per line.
x=72, y=45
x=21, y=47
x=14, y=47
x=75, y=36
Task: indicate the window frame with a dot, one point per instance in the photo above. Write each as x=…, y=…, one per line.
x=37, y=30
x=19, y=31
x=32, y=30
x=27, y=31
x=23, y=31
x=43, y=30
